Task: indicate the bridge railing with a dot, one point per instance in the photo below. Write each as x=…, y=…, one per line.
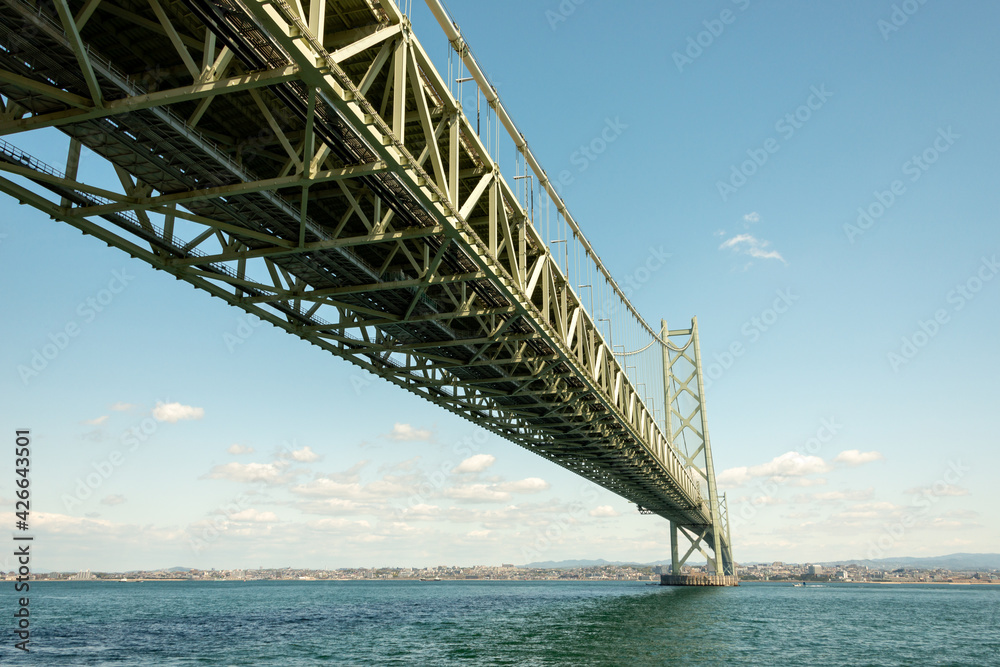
x=634, y=342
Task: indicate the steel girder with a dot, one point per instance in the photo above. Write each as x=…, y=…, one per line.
x=332, y=186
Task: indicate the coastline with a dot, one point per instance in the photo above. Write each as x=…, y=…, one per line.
x=880, y=583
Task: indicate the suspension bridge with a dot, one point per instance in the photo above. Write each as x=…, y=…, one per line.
x=305, y=161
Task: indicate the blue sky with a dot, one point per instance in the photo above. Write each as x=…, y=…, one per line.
x=858, y=422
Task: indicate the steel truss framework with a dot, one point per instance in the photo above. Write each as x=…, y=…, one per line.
x=688, y=428
x=308, y=164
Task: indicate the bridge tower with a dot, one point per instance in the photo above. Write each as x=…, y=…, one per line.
x=687, y=431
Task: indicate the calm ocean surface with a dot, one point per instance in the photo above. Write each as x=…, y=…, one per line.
x=505, y=623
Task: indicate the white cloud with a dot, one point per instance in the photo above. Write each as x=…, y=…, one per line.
x=422, y=511
x=390, y=486
x=853, y=457
x=113, y=500
x=269, y=473
x=789, y=464
x=332, y=523
x=527, y=485
x=604, y=511
x=479, y=534
x=97, y=421
x=91, y=530
x=324, y=487
x=240, y=449
x=334, y=506
x=64, y=523
x=175, y=412
x=122, y=407
x=495, y=493
x=747, y=244
x=486, y=493
x=406, y=433
x=253, y=516
x=751, y=217
x=477, y=463
x=304, y=455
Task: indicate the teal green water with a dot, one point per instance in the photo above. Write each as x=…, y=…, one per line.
x=506, y=623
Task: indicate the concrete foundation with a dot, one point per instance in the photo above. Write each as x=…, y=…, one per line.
x=699, y=580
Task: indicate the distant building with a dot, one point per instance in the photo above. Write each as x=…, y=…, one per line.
x=814, y=569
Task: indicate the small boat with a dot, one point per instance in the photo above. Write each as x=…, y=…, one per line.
x=434, y=579
x=799, y=584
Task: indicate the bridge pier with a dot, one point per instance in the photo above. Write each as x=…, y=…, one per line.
x=699, y=580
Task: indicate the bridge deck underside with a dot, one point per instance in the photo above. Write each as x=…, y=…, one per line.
x=357, y=264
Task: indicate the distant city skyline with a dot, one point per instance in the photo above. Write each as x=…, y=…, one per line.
x=976, y=568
